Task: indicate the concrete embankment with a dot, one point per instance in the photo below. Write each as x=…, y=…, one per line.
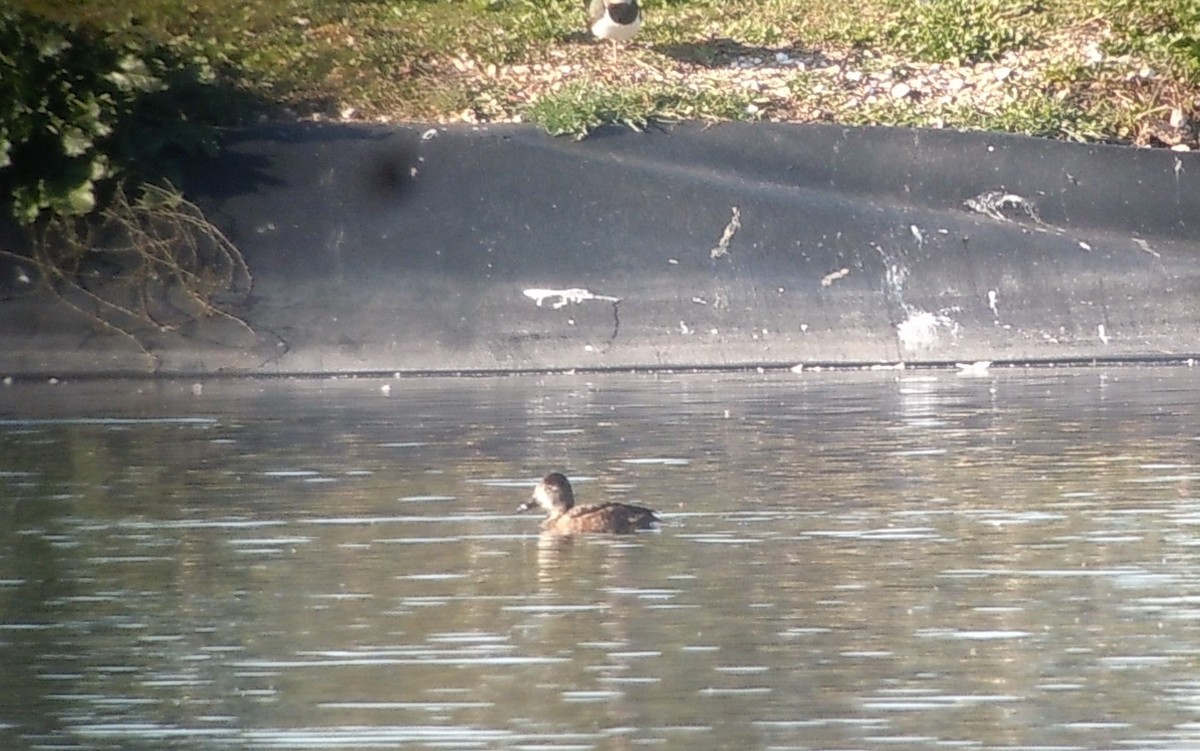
x=413, y=249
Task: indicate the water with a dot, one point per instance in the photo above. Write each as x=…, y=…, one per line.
x=849, y=560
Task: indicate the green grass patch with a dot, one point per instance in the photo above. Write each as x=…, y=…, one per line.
x=579, y=108
x=1035, y=115
x=959, y=31
x=1165, y=30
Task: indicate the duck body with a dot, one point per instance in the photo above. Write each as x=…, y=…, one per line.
x=614, y=20
x=555, y=496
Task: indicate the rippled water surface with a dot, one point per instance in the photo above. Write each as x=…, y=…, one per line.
x=849, y=560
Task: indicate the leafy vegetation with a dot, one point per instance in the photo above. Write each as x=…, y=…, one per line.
x=79, y=112
x=90, y=130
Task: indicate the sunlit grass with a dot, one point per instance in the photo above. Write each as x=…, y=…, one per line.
x=394, y=59
x=578, y=109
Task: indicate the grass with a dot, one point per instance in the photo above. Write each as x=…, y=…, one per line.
x=1035, y=112
x=491, y=60
x=959, y=30
x=580, y=108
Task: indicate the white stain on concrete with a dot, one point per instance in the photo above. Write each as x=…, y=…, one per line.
x=1145, y=246
x=999, y=204
x=833, y=276
x=735, y=223
x=977, y=368
x=560, y=298
x=923, y=330
x=894, y=277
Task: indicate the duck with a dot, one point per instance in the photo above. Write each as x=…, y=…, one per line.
x=556, y=497
x=614, y=20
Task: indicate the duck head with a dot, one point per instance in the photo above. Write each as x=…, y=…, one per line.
x=553, y=495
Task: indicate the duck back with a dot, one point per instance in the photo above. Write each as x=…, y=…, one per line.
x=620, y=518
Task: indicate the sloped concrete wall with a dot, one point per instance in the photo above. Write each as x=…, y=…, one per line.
x=415, y=249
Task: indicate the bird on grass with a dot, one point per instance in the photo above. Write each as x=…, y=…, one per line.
x=614, y=20
x=554, y=496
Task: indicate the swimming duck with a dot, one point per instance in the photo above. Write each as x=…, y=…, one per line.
x=614, y=20
x=555, y=496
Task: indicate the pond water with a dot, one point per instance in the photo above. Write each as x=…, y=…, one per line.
x=875, y=560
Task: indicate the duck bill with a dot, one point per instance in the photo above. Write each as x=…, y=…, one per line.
x=525, y=506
